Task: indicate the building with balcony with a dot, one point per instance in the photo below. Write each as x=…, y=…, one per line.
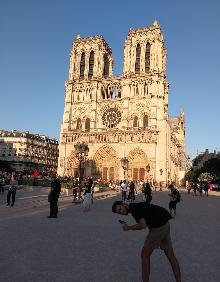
x=23, y=151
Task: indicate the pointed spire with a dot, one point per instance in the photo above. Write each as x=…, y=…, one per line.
x=78, y=36
x=155, y=24
x=182, y=114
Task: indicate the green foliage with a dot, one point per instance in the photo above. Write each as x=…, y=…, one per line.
x=102, y=184
x=209, y=171
x=206, y=177
x=212, y=166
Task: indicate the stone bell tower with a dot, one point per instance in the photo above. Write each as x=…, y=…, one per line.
x=145, y=83
x=144, y=52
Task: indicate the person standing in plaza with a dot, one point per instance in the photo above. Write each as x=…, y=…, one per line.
x=54, y=196
x=132, y=191
x=206, y=189
x=124, y=188
x=200, y=189
x=75, y=189
x=174, y=199
x=11, y=195
x=12, y=191
x=147, y=193
x=2, y=183
x=156, y=218
x=90, y=186
x=194, y=188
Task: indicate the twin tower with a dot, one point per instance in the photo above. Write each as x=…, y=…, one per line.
x=124, y=117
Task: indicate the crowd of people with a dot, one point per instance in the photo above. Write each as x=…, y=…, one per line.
x=201, y=188
x=154, y=217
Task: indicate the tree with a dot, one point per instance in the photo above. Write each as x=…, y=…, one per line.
x=206, y=177
x=212, y=166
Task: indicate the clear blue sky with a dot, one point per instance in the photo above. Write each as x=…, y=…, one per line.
x=36, y=36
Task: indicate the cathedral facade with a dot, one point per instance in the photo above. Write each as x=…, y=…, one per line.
x=124, y=120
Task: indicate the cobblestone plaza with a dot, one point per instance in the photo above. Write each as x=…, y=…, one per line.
x=90, y=246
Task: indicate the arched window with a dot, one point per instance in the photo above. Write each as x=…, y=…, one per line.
x=78, y=124
x=147, y=58
x=82, y=66
x=87, y=124
x=91, y=64
x=145, y=121
x=138, y=57
x=135, y=122
x=106, y=66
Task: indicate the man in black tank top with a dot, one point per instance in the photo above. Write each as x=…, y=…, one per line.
x=156, y=218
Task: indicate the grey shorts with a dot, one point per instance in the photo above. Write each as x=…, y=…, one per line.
x=159, y=237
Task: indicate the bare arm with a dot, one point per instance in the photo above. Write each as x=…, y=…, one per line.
x=140, y=225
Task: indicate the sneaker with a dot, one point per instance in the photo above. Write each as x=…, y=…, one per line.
x=7, y=205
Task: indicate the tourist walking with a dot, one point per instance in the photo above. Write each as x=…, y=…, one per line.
x=54, y=196
x=156, y=218
x=124, y=188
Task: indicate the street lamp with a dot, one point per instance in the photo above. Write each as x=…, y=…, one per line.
x=81, y=151
x=148, y=170
x=124, y=164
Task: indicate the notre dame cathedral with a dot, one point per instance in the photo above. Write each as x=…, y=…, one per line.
x=124, y=119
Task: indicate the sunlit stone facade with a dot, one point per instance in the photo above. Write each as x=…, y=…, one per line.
x=125, y=116
x=24, y=151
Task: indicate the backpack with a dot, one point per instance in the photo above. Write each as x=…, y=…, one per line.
x=12, y=188
x=178, y=196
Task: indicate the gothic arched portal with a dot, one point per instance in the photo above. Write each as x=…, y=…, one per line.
x=138, y=162
x=72, y=165
x=106, y=163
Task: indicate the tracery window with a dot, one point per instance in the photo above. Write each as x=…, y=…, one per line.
x=138, y=57
x=106, y=66
x=147, y=58
x=82, y=66
x=135, y=122
x=145, y=121
x=91, y=64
